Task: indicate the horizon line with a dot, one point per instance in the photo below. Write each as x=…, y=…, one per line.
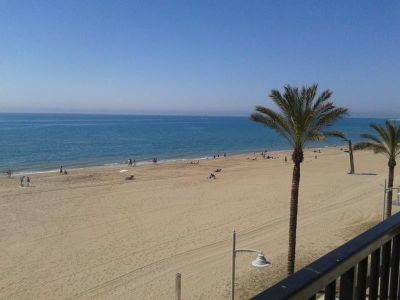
x=357, y=116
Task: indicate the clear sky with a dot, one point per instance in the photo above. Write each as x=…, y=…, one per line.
x=196, y=57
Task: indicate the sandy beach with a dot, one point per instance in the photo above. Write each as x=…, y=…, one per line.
x=93, y=234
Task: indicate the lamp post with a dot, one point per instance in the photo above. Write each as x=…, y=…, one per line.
x=387, y=189
x=260, y=262
x=178, y=285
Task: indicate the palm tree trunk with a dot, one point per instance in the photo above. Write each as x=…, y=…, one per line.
x=351, y=157
x=388, y=213
x=294, y=201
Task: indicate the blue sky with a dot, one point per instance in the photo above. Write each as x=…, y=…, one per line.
x=196, y=57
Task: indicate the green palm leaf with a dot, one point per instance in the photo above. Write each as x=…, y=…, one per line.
x=302, y=116
x=386, y=140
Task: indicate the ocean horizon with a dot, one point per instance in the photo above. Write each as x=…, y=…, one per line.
x=42, y=142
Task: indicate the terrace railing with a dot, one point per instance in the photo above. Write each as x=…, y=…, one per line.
x=367, y=267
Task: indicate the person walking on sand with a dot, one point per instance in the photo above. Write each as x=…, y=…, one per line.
x=285, y=159
x=28, y=181
x=130, y=162
x=61, y=169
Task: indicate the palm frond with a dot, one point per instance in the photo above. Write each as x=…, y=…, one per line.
x=303, y=116
x=386, y=140
x=273, y=120
x=370, y=137
x=316, y=136
x=383, y=134
x=377, y=148
x=325, y=95
x=336, y=134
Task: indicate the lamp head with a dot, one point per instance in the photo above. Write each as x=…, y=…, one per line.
x=261, y=261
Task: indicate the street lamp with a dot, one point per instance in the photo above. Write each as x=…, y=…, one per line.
x=386, y=190
x=260, y=262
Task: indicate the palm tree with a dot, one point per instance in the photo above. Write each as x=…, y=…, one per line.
x=342, y=136
x=387, y=142
x=351, y=157
x=302, y=117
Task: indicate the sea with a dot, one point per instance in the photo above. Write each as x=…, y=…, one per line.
x=31, y=143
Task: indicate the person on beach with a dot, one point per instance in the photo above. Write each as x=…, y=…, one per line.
x=134, y=162
x=285, y=159
x=225, y=154
x=28, y=181
x=65, y=172
x=21, y=180
x=130, y=162
x=154, y=160
x=8, y=173
x=61, y=169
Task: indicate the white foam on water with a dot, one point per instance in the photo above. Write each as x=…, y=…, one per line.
x=112, y=164
x=33, y=172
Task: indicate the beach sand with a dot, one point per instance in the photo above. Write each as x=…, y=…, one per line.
x=92, y=234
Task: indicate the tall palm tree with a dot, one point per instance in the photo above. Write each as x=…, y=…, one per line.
x=302, y=117
x=387, y=142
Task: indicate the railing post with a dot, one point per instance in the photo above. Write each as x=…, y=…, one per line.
x=374, y=277
x=385, y=268
x=394, y=268
x=362, y=279
x=178, y=287
x=330, y=291
x=347, y=285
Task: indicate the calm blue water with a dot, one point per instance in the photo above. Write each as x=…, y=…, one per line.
x=38, y=142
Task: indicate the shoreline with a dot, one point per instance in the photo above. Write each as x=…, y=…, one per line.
x=116, y=165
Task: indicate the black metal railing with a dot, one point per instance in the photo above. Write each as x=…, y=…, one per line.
x=367, y=267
